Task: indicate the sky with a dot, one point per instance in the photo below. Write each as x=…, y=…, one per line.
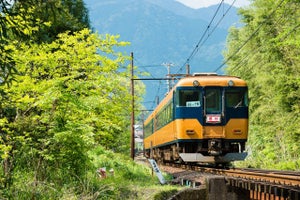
x=206, y=3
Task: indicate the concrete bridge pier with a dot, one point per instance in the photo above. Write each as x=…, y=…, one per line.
x=217, y=189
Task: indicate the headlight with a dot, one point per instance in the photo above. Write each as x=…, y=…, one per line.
x=196, y=83
x=230, y=83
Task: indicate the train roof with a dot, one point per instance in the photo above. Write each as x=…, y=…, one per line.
x=210, y=79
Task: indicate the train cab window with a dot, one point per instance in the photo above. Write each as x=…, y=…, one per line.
x=189, y=98
x=236, y=97
x=213, y=100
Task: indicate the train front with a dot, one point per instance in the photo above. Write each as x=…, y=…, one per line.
x=211, y=118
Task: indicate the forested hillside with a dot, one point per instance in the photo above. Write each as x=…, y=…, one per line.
x=266, y=53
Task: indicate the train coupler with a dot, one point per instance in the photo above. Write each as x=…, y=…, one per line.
x=215, y=147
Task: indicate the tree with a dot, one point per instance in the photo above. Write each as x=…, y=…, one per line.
x=269, y=61
x=68, y=98
x=54, y=17
x=13, y=28
x=35, y=21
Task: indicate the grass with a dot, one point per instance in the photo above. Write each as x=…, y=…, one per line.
x=129, y=181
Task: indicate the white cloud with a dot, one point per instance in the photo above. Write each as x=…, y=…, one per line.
x=206, y=3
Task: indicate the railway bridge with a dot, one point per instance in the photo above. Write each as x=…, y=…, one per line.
x=237, y=184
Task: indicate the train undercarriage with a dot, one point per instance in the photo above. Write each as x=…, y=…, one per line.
x=207, y=151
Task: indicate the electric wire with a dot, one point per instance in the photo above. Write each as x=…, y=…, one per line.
x=257, y=50
x=220, y=20
x=217, y=24
x=248, y=39
x=206, y=32
x=200, y=42
x=203, y=35
x=157, y=95
x=146, y=66
x=245, y=58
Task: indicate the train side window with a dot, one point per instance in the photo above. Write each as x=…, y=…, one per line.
x=148, y=129
x=164, y=117
x=188, y=98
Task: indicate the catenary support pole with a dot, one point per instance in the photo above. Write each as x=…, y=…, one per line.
x=132, y=107
x=187, y=69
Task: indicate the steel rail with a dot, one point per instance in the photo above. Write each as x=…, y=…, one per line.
x=284, y=178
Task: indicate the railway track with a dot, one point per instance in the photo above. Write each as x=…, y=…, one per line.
x=287, y=178
x=255, y=184
x=284, y=178
x=259, y=184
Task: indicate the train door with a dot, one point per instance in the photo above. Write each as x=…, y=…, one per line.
x=213, y=113
x=213, y=105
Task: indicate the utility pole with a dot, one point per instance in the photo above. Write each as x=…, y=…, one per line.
x=132, y=107
x=187, y=69
x=168, y=65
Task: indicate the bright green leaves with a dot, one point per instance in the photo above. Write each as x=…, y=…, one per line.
x=13, y=29
x=269, y=62
x=35, y=21
x=65, y=93
x=68, y=97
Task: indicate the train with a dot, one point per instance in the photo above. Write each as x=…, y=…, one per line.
x=203, y=119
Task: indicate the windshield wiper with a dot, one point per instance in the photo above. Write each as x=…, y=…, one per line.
x=239, y=103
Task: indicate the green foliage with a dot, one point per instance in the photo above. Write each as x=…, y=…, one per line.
x=35, y=21
x=54, y=17
x=165, y=194
x=13, y=28
x=67, y=99
x=123, y=166
x=129, y=181
x=66, y=96
x=269, y=62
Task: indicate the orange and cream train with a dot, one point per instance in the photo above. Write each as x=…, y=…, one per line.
x=203, y=119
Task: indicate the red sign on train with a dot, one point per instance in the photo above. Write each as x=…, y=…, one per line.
x=213, y=118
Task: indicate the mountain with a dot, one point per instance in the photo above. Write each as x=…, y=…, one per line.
x=164, y=31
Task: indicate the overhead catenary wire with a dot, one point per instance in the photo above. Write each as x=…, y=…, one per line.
x=207, y=33
x=202, y=39
x=154, y=102
x=249, y=38
x=203, y=35
x=146, y=66
x=157, y=94
x=255, y=51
